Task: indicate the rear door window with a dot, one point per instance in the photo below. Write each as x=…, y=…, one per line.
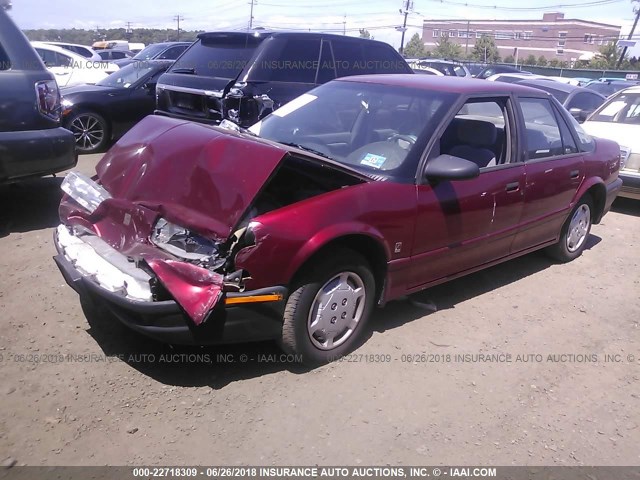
x=219, y=56
x=543, y=137
x=5, y=63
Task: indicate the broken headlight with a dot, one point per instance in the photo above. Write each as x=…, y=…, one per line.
x=84, y=191
x=183, y=243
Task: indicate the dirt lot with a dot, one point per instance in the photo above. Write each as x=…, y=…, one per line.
x=108, y=396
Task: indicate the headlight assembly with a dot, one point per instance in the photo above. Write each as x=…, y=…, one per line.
x=183, y=243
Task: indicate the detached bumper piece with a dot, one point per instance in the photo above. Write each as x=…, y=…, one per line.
x=202, y=313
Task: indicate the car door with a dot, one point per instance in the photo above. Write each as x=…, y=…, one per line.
x=554, y=169
x=464, y=224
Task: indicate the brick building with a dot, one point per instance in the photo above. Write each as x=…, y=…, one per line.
x=554, y=36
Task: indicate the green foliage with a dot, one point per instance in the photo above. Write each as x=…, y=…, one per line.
x=607, y=57
x=445, y=48
x=414, y=47
x=542, y=61
x=87, y=37
x=509, y=59
x=486, y=46
x=530, y=60
x=554, y=62
x=364, y=33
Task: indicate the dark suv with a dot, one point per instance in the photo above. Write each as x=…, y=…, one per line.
x=32, y=142
x=243, y=76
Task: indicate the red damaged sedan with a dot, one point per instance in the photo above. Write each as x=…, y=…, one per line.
x=363, y=190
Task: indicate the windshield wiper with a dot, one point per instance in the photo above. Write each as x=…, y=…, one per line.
x=189, y=70
x=302, y=147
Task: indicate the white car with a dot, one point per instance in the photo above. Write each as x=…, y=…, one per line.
x=86, y=52
x=70, y=68
x=512, y=77
x=618, y=119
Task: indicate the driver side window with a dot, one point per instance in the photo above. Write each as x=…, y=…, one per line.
x=479, y=133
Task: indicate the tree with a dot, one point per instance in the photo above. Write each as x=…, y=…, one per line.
x=606, y=57
x=485, y=49
x=530, y=60
x=445, y=48
x=364, y=33
x=415, y=47
x=554, y=62
x=509, y=59
x=542, y=61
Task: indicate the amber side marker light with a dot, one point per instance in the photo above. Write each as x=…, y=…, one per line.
x=272, y=297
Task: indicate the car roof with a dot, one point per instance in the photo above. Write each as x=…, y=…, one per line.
x=56, y=48
x=167, y=44
x=550, y=83
x=633, y=89
x=273, y=33
x=68, y=43
x=450, y=84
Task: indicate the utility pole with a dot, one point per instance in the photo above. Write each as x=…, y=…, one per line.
x=407, y=6
x=344, y=25
x=633, y=29
x=251, y=14
x=466, y=47
x=129, y=31
x=178, y=19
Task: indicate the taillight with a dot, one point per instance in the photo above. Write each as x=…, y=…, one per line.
x=48, y=98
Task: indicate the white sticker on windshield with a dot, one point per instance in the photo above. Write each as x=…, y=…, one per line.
x=372, y=160
x=294, y=105
x=613, y=108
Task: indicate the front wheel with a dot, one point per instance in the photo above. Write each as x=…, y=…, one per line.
x=326, y=313
x=574, y=233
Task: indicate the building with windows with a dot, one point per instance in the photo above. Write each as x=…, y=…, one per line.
x=554, y=36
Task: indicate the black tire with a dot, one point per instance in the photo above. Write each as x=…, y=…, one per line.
x=90, y=129
x=562, y=251
x=296, y=337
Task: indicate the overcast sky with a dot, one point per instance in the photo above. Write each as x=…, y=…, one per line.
x=378, y=16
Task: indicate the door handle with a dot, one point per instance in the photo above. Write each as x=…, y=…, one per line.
x=574, y=174
x=512, y=187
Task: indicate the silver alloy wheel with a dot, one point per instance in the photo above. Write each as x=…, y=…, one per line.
x=88, y=131
x=578, y=227
x=336, y=310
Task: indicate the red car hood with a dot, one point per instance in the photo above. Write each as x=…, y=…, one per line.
x=194, y=175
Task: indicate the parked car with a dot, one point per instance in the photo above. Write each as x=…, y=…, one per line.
x=97, y=114
x=157, y=51
x=82, y=50
x=475, y=67
x=70, y=68
x=427, y=71
x=446, y=67
x=110, y=54
x=618, y=119
x=32, y=142
x=136, y=47
x=609, y=87
x=494, y=69
x=512, y=77
x=111, y=44
x=244, y=76
x=361, y=191
x=579, y=101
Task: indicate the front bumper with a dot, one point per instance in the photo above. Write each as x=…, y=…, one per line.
x=165, y=321
x=630, y=184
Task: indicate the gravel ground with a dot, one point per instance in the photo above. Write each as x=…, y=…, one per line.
x=105, y=395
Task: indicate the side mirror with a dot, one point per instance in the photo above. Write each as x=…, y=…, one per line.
x=448, y=167
x=579, y=114
x=150, y=88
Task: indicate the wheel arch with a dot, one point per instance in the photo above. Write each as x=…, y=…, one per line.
x=370, y=247
x=596, y=189
x=89, y=108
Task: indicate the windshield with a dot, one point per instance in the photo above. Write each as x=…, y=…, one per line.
x=606, y=89
x=623, y=108
x=218, y=56
x=150, y=52
x=369, y=127
x=126, y=76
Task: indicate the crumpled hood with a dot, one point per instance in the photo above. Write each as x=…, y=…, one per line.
x=193, y=175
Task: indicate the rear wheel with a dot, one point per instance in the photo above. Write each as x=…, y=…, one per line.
x=90, y=130
x=326, y=313
x=574, y=233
